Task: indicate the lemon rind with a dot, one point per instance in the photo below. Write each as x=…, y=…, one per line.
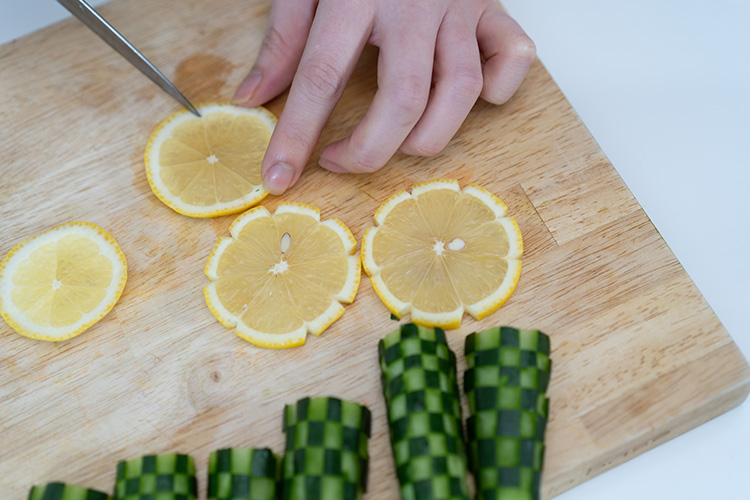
x=295, y=207
x=515, y=239
x=212, y=263
x=395, y=305
x=368, y=261
x=272, y=340
x=496, y=299
x=354, y=273
x=389, y=204
x=164, y=130
x=221, y=313
x=433, y=184
x=498, y=207
x=344, y=233
x=15, y=318
x=327, y=318
x=236, y=227
x=449, y=320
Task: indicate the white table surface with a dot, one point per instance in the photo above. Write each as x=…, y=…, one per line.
x=664, y=87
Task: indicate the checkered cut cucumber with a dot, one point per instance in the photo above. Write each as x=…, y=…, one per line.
x=62, y=491
x=242, y=474
x=418, y=373
x=326, y=450
x=506, y=380
x=157, y=477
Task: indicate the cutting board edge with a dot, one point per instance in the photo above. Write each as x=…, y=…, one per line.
x=708, y=410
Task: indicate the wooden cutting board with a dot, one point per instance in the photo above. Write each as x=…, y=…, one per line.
x=639, y=357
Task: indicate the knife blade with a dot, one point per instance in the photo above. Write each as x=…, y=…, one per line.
x=91, y=18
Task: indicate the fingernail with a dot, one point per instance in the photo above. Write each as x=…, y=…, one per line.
x=333, y=167
x=248, y=87
x=278, y=178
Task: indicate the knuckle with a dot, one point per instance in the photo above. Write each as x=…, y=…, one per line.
x=321, y=79
x=365, y=165
x=365, y=159
x=292, y=133
x=365, y=162
x=421, y=147
x=493, y=94
x=468, y=81
x=410, y=94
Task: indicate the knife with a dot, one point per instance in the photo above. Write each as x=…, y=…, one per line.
x=100, y=26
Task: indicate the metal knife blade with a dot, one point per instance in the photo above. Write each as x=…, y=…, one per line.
x=100, y=26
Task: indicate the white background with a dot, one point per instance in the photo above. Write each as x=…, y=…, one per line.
x=664, y=87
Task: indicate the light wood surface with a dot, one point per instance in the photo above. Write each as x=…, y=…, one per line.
x=639, y=357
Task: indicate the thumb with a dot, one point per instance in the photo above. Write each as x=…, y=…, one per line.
x=280, y=53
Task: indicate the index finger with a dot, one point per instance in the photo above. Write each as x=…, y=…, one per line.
x=337, y=37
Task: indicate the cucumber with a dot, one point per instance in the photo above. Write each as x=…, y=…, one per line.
x=242, y=474
x=157, y=477
x=418, y=374
x=326, y=450
x=62, y=491
x=508, y=371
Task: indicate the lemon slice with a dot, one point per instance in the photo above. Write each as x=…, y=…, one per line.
x=440, y=251
x=209, y=166
x=58, y=283
x=282, y=276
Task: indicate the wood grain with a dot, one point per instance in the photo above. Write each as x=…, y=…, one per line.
x=639, y=356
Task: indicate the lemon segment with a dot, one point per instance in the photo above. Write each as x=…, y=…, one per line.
x=440, y=251
x=55, y=285
x=209, y=166
x=281, y=276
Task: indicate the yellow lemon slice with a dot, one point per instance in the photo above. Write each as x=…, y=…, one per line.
x=209, y=166
x=440, y=251
x=282, y=276
x=58, y=283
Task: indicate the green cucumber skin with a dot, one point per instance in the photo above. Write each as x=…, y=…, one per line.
x=326, y=450
x=420, y=387
x=157, y=477
x=242, y=474
x=507, y=376
x=62, y=491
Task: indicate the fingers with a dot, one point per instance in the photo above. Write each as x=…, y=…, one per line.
x=288, y=28
x=458, y=83
x=337, y=37
x=322, y=39
x=508, y=52
x=404, y=79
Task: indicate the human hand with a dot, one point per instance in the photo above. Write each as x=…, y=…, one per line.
x=436, y=58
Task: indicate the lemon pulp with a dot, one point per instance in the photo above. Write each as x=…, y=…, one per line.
x=55, y=285
x=208, y=166
x=280, y=277
x=441, y=251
